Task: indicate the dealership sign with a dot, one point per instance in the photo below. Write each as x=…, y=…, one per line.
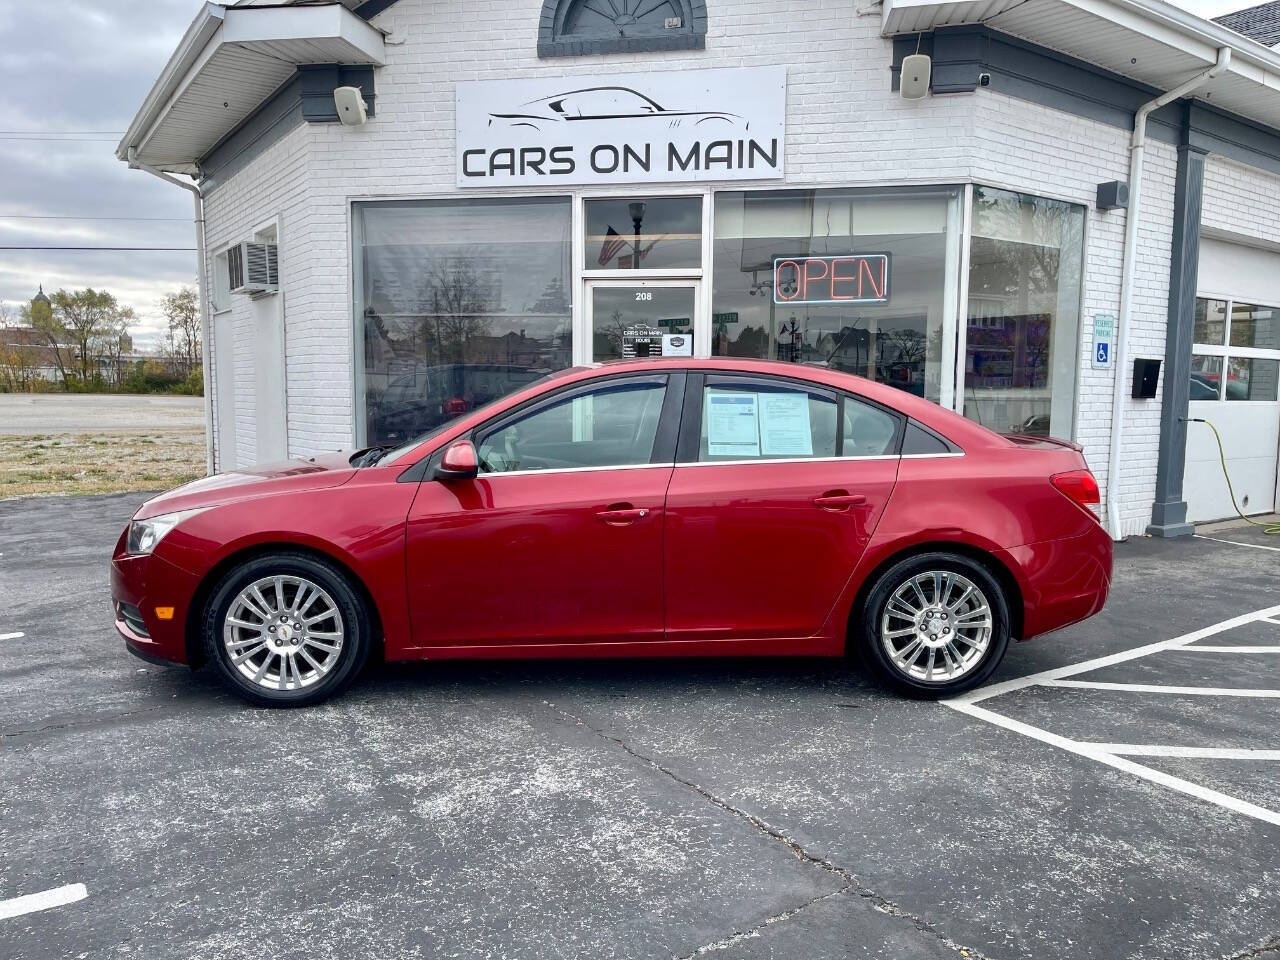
x=637, y=128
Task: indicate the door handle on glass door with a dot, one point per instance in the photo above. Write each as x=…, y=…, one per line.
x=839, y=500
x=622, y=514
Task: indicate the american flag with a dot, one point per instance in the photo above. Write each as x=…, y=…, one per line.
x=612, y=246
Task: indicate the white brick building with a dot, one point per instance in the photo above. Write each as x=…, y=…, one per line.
x=410, y=290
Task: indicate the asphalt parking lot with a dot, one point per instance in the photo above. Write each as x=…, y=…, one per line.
x=1077, y=808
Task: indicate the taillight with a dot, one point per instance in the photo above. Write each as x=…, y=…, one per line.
x=1079, y=485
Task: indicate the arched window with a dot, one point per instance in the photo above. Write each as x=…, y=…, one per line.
x=570, y=28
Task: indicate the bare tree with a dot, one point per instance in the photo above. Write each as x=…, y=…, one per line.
x=182, y=311
x=40, y=317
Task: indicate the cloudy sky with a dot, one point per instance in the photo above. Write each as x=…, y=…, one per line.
x=75, y=72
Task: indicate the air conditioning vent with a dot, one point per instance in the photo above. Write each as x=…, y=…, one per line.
x=253, y=268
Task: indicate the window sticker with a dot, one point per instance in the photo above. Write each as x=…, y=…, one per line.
x=732, y=425
x=784, y=425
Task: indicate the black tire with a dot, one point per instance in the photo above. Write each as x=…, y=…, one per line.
x=870, y=648
x=355, y=624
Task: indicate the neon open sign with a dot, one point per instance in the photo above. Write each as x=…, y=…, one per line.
x=851, y=278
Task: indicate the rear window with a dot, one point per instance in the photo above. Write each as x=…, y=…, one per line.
x=919, y=441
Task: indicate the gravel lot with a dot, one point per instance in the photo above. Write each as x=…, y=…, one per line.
x=23, y=414
x=75, y=444
x=736, y=809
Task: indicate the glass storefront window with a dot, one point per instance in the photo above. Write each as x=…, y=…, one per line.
x=1022, y=335
x=1250, y=378
x=643, y=233
x=872, y=301
x=1210, y=322
x=1254, y=326
x=459, y=302
x=1206, y=377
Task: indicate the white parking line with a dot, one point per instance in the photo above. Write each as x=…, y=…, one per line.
x=1238, y=649
x=1093, y=752
x=1160, y=688
x=11, y=636
x=1114, y=755
x=45, y=900
x=1237, y=543
x=1186, y=753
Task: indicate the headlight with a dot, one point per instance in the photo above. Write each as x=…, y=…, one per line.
x=145, y=534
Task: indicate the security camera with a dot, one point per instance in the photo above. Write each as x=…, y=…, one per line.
x=352, y=110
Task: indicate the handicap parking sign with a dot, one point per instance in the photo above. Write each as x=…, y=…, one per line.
x=1104, y=328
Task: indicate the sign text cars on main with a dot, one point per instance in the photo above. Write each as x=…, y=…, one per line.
x=650, y=127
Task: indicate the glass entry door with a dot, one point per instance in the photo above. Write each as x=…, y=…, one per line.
x=641, y=318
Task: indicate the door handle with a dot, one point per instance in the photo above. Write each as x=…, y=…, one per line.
x=622, y=515
x=836, y=500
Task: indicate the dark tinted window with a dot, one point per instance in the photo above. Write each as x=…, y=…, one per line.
x=918, y=441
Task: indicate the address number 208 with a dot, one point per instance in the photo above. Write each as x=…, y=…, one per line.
x=644, y=295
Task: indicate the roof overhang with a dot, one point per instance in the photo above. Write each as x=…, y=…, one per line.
x=230, y=60
x=1149, y=41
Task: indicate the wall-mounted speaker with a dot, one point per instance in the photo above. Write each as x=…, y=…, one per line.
x=914, y=81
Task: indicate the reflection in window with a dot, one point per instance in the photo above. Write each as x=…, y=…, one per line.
x=1210, y=322
x=460, y=302
x=610, y=427
x=1255, y=326
x=1249, y=378
x=1206, y=377
x=652, y=233
x=1022, y=336
x=899, y=342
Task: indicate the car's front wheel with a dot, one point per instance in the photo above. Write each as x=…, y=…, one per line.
x=286, y=630
x=934, y=625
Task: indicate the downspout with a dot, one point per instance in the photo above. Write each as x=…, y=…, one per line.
x=206, y=346
x=1137, y=147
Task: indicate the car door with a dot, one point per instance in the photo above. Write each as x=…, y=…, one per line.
x=558, y=539
x=778, y=487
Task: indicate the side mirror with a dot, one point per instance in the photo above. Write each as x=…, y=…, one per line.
x=459, y=462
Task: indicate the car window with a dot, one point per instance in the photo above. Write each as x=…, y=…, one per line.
x=763, y=421
x=868, y=430
x=612, y=426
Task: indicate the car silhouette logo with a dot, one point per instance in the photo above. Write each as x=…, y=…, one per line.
x=604, y=103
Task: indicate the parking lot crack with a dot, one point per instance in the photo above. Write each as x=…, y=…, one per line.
x=733, y=939
x=80, y=723
x=1269, y=949
x=852, y=885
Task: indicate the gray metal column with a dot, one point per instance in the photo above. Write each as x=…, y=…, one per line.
x=1169, y=511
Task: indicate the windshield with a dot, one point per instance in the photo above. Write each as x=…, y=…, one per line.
x=392, y=455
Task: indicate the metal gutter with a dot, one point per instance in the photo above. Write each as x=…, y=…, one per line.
x=1137, y=149
x=203, y=293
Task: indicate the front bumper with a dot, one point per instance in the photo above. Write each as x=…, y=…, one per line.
x=146, y=583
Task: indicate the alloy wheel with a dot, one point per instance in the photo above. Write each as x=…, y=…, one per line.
x=936, y=627
x=283, y=632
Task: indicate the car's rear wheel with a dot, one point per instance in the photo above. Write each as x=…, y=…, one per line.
x=934, y=625
x=286, y=630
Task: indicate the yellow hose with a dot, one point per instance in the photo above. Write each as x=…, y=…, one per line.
x=1273, y=528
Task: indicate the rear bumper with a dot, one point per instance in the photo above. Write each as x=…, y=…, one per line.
x=1062, y=581
x=146, y=583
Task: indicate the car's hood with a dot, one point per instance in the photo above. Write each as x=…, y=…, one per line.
x=327, y=470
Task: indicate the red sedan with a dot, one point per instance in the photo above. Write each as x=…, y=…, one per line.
x=644, y=508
